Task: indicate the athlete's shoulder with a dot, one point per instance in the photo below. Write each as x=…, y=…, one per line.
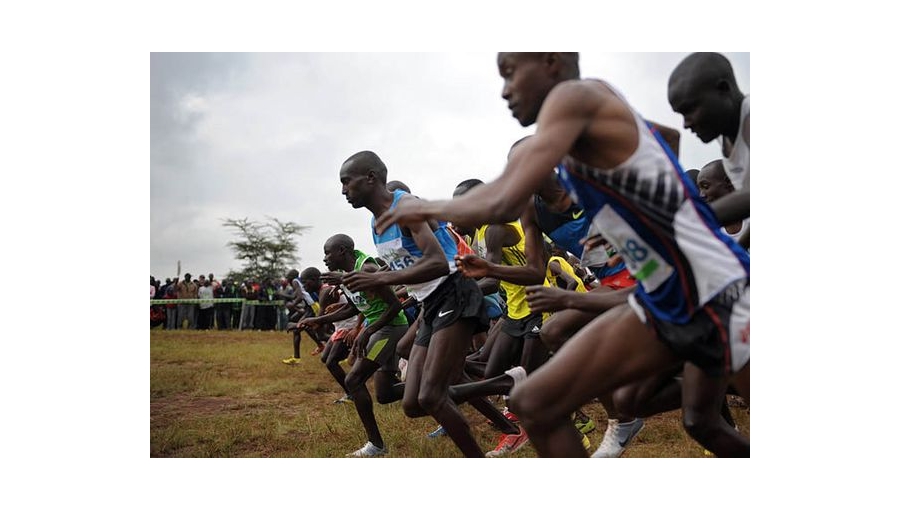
x=583, y=92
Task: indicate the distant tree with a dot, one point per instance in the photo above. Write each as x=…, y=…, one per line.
x=267, y=249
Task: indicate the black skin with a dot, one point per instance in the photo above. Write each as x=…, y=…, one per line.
x=702, y=89
x=587, y=121
x=339, y=256
x=430, y=370
x=298, y=309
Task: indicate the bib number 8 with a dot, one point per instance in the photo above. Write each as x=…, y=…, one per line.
x=637, y=252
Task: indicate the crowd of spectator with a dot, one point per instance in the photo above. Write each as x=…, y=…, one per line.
x=261, y=314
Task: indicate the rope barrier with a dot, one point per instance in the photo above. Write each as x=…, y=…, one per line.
x=214, y=301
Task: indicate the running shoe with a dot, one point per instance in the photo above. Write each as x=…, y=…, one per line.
x=509, y=443
x=403, y=364
x=368, y=450
x=318, y=350
x=345, y=398
x=511, y=416
x=438, y=432
x=518, y=375
x=617, y=437
x=584, y=424
x=291, y=361
x=585, y=441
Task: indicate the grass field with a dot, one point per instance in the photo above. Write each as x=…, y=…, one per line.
x=227, y=394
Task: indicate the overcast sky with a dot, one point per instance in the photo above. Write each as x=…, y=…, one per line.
x=264, y=134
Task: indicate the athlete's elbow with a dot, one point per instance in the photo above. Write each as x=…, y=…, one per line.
x=438, y=269
x=535, y=277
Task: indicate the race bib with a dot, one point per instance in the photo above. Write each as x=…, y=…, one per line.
x=643, y=262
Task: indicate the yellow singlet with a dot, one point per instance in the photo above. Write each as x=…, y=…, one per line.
x=516, y=306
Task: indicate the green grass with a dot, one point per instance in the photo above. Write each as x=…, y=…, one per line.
x=227, y=394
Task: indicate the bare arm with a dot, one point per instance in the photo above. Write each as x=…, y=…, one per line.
x=552, y=299
x=432, y=265
x=562, y=120
x=386, y=294
x=344, y=312
x=496, y=237
x=557, y=271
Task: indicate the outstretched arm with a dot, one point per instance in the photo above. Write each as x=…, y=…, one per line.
x=432, y=265
x=562, y=120
x=553, y=299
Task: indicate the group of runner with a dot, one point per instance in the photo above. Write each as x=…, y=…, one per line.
x=484, y=294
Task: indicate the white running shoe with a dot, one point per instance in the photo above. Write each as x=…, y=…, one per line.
x=518, y=374
x=368, y=450
x=403, y=364
x=617, y=437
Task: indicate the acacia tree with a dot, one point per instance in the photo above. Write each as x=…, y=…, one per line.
x=267, y=249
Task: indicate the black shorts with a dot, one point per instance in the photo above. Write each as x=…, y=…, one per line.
x=526, y=327
x=717, y=338
x=456, y=298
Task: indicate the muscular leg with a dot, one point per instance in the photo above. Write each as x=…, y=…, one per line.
x=334, y=353
x=476, y=363
x=356, y=387
x=404, y=345
x=388, y=387
x=657, y=395
x=613, y=350
x=560, y=327
x=702, y=397
x=534, y=353
x=296, y=339
x=433, y=370
x=507, y=352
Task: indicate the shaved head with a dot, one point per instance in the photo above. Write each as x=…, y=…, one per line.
x=395, y=185
x=366, y=161
x=339, y=241
x=310, y=273
x=703, y=70
x=466, y=186
x=702, y=89
x=568, y=61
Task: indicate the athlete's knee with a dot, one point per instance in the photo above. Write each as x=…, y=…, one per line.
x=627, y=401
x=432, y=398
x=524, y=405
x=553, y=335
x=701, y=425
x=354, y=381
x=411, y=407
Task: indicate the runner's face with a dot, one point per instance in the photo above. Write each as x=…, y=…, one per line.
x=331, y=257
x=712, y=187
x=525, y=85
x=353, y=186
x=703, y=109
